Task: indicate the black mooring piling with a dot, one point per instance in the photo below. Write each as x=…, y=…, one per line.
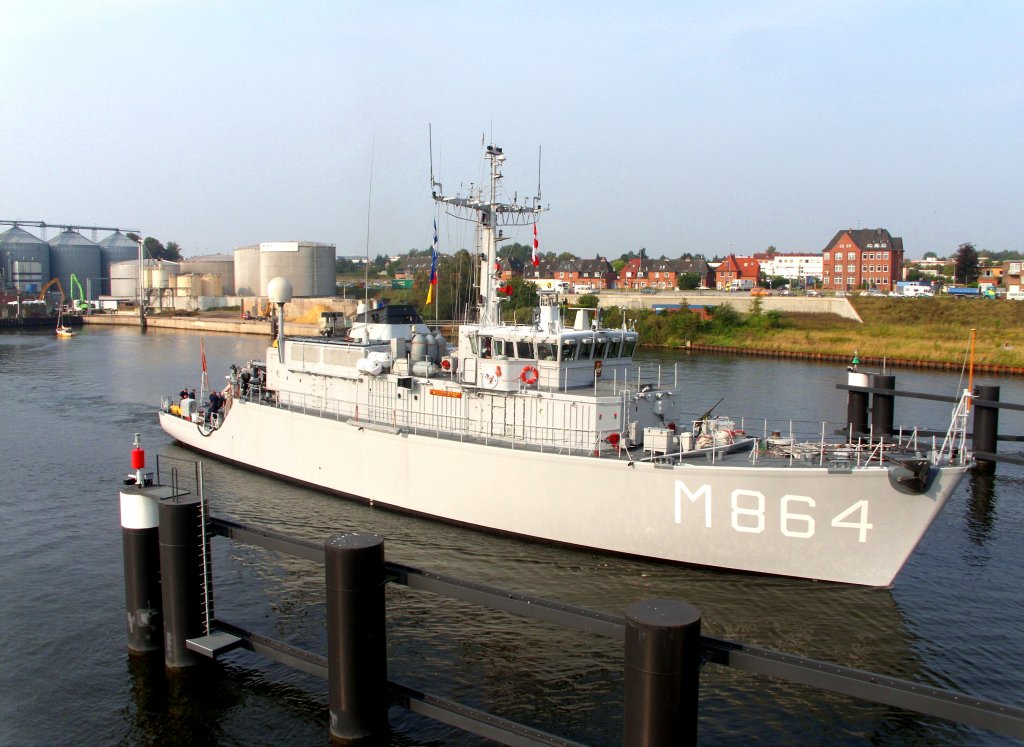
x=357, y=667
x=141, y=549
x=882, y=406
x=183, y=573
x=662, y=673
x=857, y=405
x=986, y=427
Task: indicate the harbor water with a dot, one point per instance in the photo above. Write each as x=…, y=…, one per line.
x=953, y=619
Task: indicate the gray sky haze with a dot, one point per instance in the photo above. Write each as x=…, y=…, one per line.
x=676, y=126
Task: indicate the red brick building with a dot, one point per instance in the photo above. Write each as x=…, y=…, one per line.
x=660, y=274
x=862, y=258
x=737, y=268
x=596, y=273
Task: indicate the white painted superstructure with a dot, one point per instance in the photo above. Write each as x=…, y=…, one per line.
x=550, y=431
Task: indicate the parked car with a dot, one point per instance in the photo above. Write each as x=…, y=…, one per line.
x=648, y=291
x=813, y=292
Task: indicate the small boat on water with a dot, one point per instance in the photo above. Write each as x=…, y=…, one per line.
x=62, y=329
x=551, y=431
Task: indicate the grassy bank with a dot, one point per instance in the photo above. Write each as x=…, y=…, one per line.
x=926, y=329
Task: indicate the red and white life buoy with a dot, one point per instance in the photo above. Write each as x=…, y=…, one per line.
x=529, y=375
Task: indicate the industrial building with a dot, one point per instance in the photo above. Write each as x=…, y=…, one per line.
x=108, y=270
x=308, y=265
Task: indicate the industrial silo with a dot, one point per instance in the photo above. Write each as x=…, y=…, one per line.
x=325, y=269
x=309, y=266
x=115, y=248
x=73, y=254
x=124, y=277
x=213, y=264
x=247, y=271
x=24, y=261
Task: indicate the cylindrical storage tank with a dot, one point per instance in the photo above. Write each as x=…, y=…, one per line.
x=211, y=285
x=325, y=272
x=24, y=260
x=442, y=346
x=124, y=279
x=247, y=271
x=283, y=259
x=115, y=248
x=184, y=285
x=159, y=278
x=309, y=266
x=73, y=254
x=222, y=265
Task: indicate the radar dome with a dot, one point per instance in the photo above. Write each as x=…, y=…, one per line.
x=279, y=290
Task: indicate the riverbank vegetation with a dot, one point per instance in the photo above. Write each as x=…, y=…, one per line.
x=926, y=329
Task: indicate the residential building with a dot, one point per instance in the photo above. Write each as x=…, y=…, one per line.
x=736, y=268
x=509, y=268
x=796, y=268
x=862, y=258
x=660, y=274
x=597, y=273
x=1012, y=280
x=991, y=275
x=411, y=266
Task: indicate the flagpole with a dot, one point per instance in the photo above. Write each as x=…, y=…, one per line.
x=204, y=382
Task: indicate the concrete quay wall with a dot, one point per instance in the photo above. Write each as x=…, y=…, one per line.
x=196, y=324
x=742, y=302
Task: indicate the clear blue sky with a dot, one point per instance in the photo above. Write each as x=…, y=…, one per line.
x=676, y=126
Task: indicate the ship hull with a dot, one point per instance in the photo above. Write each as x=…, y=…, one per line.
x=852, y=527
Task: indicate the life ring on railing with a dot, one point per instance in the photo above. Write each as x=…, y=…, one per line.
x=529, y=375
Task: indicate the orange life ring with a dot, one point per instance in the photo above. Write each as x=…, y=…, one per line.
x=529, y=375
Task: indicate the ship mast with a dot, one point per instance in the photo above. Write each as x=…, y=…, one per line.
x=483, y=207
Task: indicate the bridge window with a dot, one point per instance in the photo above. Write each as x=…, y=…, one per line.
x=546, y=351
x=586, y=349
x=524, y=349
x=568, y=350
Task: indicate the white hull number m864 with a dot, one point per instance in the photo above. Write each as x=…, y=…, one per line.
x=748, y=510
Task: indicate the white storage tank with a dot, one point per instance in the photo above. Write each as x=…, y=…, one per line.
x=308, y=265
x=222, y=265
x=115, y=248
x=211, y=285
x=158, y=278
x=124, y=277
x=183, y=285
x=247, y=271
